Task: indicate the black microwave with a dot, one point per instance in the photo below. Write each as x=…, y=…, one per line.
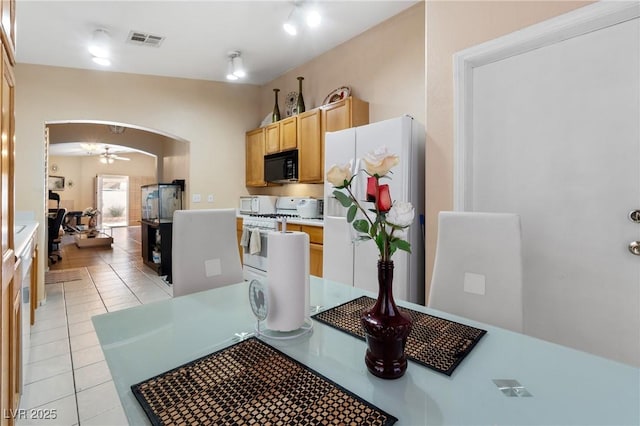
x=281, y=167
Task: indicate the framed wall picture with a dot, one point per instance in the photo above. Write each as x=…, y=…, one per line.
x=56, y=183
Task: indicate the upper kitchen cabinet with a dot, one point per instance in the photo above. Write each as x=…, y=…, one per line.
x=343, y=114
x=281, y=136
x=7, y=22
x=310, y=147
x=255, y=151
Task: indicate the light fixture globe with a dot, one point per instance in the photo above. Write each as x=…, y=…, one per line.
x=313, y=18
x=235, y=67
x=99, y=45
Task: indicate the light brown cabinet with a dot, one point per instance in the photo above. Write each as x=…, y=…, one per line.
x=310, y=147
x=316, y=234
x=281, y=136
x=239, y=222
x=15, y=357
x=306, y=133
x=343, y=114
x=254, y=163
x=10, y=349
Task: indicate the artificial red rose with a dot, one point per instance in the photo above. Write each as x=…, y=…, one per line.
x=384, y=198
x=372, y=188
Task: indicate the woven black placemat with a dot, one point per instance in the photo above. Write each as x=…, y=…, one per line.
x=434, y=342
x=251, y=383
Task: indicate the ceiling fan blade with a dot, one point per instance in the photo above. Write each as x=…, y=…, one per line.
x=120, y=158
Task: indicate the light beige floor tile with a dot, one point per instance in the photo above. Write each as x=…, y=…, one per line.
x=48, y=324
x=121, y=306
x=78, y=328
x=86, y=356
x=83, y=341
x=84, y=316
x=91, y=375
x=97, y=400
x=119, y=300
x=49, y=350
x=61, y=412
x=43, y=313
x=49, y=336
x=47, y=390
x=82, y=300
x=48, y=368
x=112, y=417
x=74, y=309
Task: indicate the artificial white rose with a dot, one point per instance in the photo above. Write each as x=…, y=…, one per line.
x=380, y=161
x=338, y=174
x=401, y=214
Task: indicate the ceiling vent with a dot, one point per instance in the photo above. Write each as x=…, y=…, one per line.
x=144, y=39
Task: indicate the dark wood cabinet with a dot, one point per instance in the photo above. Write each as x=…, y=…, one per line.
x=149, y=233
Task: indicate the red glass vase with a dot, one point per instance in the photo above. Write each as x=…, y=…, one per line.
x=386, y=329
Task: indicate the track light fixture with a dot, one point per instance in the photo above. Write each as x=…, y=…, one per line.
x=235, y=67
x=301, y=13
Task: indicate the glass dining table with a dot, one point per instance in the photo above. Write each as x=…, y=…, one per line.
x=556, y=385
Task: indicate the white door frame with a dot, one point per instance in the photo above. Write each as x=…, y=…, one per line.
x=581, y=21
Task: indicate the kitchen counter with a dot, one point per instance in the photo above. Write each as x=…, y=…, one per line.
x=23, y=231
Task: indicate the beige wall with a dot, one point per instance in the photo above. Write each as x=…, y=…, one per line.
x=383, y=66
x=212, y=116
x=453, y=26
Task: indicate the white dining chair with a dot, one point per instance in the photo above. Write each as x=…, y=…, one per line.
x=204, y=250
x=477, y=272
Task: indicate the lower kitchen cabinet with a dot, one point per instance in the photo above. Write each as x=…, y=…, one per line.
x=315, y=246
x=239, y=222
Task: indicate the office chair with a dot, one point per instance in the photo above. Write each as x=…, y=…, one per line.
x=204, y=250
x=478, y=268
x=53, y=231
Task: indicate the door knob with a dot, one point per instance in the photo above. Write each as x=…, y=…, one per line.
x=634, y=247
x=634, y=216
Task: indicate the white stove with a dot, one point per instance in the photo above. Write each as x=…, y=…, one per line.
x=255, y=265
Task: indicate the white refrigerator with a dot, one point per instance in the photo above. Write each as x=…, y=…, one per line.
x=355, y=263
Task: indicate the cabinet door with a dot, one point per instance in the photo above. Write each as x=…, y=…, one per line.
x=289, y=133
x=254, y=170
x=310, y=148
x=272, y=138
x=315, y=259
x=239, y=223
x=336, y=116
x=6, y=237
x=15, y=363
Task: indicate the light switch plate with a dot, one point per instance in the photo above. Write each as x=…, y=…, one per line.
x=210, y=198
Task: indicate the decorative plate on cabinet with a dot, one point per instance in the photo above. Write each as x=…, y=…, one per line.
x=337, y=95
x=290, y=104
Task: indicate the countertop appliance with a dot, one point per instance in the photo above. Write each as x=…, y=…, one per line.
x=346, y=262
x=257, y=204
x=308, y=208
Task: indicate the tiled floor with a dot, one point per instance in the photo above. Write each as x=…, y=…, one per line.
x=67, y=371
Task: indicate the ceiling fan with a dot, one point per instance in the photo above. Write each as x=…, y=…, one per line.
x=109, y=158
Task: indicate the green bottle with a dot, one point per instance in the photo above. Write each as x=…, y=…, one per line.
x=300, y=104
x=276, y=111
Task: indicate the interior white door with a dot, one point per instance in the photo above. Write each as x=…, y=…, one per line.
x=556, y=138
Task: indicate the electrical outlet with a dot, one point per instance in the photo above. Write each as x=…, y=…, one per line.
x=196, y=198
x=210, y=198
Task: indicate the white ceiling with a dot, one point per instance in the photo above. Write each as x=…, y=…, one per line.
x=198, y=34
